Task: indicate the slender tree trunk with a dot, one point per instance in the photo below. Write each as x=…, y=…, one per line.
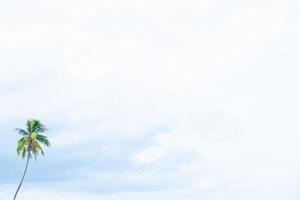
x=27, y=162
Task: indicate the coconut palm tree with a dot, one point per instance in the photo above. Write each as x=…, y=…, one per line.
x=28, y=145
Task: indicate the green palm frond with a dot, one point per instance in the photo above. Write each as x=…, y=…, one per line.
x=34, y=125
x=23, y=152
x=43, y=139
x=35, y=152
x=37, y=147
x=29, y=126
x=22, y=142
x=21, y=131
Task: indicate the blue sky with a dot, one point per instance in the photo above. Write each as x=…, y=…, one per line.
x=152, y=99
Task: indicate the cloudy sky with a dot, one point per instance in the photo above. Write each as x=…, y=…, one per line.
x=160, y=99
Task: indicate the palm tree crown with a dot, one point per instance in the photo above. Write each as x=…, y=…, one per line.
x=29, y=144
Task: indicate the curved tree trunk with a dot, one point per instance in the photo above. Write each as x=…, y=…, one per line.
x=27, y=162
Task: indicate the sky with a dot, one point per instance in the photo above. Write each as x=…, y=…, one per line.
x=160, y=99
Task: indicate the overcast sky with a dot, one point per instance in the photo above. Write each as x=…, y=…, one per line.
x=160, y=99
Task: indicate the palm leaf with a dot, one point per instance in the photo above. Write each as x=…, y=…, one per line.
x=22, y=142
x=43, y=139
x=38, y=126
x=21, y=131
x=37, y=147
